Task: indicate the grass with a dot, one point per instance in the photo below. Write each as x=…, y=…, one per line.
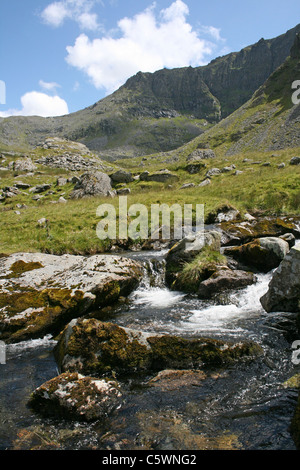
x=71, y=227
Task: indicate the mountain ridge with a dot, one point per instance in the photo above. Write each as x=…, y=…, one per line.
x=159, y=111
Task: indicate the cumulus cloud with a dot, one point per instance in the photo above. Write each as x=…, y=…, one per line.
x=35, y=103
x=80, y=11
x=146, y=42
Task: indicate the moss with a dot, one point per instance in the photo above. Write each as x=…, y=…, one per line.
x=97, y=347
x=52, y=309
x=20, y=267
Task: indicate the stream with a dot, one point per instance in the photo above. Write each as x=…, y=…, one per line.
x=244, y=406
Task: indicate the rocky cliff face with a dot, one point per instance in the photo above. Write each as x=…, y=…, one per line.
x=159, y=111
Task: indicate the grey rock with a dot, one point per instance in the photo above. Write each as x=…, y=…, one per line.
x=187, y=185
x=122, y=176
x=295, y=161
x=213, y=172
x=283, y=293
x=61, y=181
x=76, y=397
x=23, y=164
x=93, y=184
x=44, y=292
x=225, y=279
x=205, y=182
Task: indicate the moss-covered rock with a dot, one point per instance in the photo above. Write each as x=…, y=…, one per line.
x=263, y=254
x=90, y=346
x=40, y=294
x=244, y=232
x=73, y=396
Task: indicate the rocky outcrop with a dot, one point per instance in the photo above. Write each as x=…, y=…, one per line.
x=73, y=396
x=22, y=165
x=40, y=293
x=89, y=346
x=93, y=184
x=263, y=254
x=283, y=294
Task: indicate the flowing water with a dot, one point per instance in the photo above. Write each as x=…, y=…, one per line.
x=244, y=406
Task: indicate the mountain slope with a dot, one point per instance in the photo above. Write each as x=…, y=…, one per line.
x=159, y=111
x=268, y=121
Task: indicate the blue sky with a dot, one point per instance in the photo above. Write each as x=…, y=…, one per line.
x=59, y=56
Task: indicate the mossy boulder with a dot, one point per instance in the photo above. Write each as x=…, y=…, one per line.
x=237, y=233
x=76, y=397
x=40, y=294
x=263, y=254
x=187, y=249
x=89, y=346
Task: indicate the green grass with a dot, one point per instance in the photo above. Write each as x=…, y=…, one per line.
x=71, y=227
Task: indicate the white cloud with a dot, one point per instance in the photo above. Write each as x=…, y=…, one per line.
x=49, y=86
x=146, y=42
x=35, y=103
x=79, y=11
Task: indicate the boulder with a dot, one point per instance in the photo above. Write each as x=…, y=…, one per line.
x=263, y=254
x=89, y=346
x=295, y=161
x=122, y=176
x=194, y=167
x=73, y=396
x=225, y=279
x=283, y=293
x=205, y=182
x=93, y=184
x=41, y=293
x=237, y=233
x=23, y=164
x=162, y=176
x=213, y=172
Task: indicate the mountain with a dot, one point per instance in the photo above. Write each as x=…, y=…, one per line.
x=159, y=111
x=268, y=121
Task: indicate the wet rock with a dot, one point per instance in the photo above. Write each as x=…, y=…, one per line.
x=41, y=293
x=290, y=238
x=262, y=253
x=237, y=233
x=73, y=396
x=283, y=294
x=89, y=346
x=225, y=279
x=171, y=379
x=93, y=184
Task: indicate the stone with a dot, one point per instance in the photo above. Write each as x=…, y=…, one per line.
x=92, y=347
x=61, y=181
x=290, y=238
x=122, y=176
x=225, y=279
x=263, y=254
x=41, y=188
x=187, y=185
x=23, y=164
x=162, y=176
x=227, y=169
x=205, y=182
x=93, y=184
x=295, y=161
x=281, y=165
x=62, y=200
x=200, y=154
x=76, y=397
x=194, y=167
x=213, y=172
x=123, y=191
x=41, y=293
x=283, y=293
